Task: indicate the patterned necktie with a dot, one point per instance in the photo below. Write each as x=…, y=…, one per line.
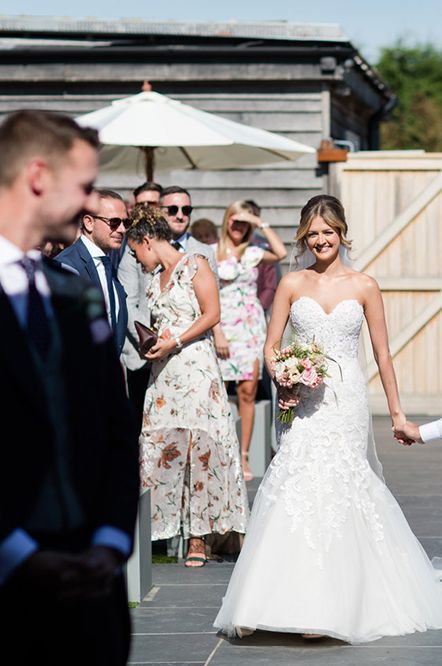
x=37, y=324
x=110, y=289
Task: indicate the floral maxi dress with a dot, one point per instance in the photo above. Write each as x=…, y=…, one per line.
x=242, y=315
x=189, y=450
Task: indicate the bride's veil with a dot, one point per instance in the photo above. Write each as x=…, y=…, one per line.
x=299, y=262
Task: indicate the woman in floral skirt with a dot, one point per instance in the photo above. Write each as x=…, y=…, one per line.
x=240, y=347
x=189, y=450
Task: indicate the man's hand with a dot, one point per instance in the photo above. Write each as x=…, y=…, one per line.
x=97, y=568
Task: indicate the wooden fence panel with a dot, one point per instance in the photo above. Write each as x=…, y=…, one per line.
x=393, y=202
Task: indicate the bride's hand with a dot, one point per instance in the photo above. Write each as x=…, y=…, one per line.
x=286, y=399
x=397, y=423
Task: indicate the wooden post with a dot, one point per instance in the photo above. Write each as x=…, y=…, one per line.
x=149, y=162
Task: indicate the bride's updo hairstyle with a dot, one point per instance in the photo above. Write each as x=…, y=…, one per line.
x=332, y=212
x=148, y=221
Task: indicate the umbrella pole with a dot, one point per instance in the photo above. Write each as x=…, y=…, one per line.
x=149, y=162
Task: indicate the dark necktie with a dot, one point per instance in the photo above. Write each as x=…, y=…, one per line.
x=110, y=288
x=37, y=323
x=177, y=246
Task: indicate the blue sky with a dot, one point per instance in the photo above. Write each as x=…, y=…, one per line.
x=369, y=25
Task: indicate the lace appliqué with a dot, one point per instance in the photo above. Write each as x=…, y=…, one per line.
x=321, y=470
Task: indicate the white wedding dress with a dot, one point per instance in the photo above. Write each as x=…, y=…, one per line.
x=328, y=549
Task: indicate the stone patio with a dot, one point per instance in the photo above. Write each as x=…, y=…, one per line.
x=173, y=624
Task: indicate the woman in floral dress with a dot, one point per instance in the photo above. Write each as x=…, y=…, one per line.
x=189, y=451
x=240, y=348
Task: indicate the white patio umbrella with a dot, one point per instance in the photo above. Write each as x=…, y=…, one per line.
x=149, y=128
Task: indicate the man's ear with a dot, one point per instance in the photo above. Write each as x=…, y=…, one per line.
x=87, y=223
x=37, y=173
x=146, y=241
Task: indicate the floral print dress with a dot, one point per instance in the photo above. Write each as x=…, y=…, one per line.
x=189, y=450
x=242, y=316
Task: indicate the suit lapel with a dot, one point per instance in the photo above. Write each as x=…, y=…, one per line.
x=15, y=352
x=89, y=264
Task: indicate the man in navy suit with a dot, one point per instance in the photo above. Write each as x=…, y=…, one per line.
x=89, y=256
x=69, y=474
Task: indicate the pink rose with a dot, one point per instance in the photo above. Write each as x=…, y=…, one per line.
x=309, y=377
x=306, y=363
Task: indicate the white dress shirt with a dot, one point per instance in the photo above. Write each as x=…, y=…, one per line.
x=430, y=431
x=182, y=240
x=96, y=254
x=14, y=281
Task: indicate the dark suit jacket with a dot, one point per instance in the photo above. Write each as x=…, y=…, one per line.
x=78, y=257
x=104, y=447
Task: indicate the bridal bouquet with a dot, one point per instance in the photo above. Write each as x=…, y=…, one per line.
x=299, y=365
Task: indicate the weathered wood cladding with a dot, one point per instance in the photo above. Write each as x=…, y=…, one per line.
x=251, y=75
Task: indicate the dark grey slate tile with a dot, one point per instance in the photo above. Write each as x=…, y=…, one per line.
x=166, y=620
x=172, y=648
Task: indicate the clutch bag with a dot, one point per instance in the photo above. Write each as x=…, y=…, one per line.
x=146, y=337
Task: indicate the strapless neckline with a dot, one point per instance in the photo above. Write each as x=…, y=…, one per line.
x=327, y=314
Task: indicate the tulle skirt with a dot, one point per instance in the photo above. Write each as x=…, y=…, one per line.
x=370, y=578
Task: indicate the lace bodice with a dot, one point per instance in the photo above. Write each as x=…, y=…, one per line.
x=337, y=332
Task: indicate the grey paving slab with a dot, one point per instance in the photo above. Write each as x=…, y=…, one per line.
x=174, y=625
x=170, y=574
x=172, y=647
x=165, y=620
x=327, y=655
x=189, y=596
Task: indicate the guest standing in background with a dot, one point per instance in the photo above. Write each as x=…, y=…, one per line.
x=243, y=325
x=204, y=230
x=189, y=451
x=89, y=256
x=135, y=281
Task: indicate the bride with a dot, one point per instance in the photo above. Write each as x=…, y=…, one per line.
x=328, y=551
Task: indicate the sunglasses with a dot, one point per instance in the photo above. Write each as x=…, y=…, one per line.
x=114, y=222
x=240, y=222
x=173, y=210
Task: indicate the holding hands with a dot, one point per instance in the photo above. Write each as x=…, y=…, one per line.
x=407, y=433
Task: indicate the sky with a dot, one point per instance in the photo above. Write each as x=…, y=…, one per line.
x=370, y=25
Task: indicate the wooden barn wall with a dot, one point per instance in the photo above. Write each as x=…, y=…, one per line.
x=281, y=189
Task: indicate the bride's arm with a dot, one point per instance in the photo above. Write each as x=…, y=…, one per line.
x=275, y=331
x=375, y=316
x=278, y=320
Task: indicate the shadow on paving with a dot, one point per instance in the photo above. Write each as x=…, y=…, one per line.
x=174, y=624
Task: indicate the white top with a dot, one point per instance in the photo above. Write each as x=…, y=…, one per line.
x=430, y=431
x=96, y=254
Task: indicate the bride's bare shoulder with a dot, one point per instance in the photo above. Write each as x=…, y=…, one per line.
x=364, y=284
x=291, y=282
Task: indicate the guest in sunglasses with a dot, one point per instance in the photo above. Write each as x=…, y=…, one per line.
x=89, y=256
x=243, y=323
x=175, y=205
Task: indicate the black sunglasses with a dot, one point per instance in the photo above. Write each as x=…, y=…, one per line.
x=114, y=222
x=173, y=210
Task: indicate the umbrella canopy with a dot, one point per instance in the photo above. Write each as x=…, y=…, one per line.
x=180, y=137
